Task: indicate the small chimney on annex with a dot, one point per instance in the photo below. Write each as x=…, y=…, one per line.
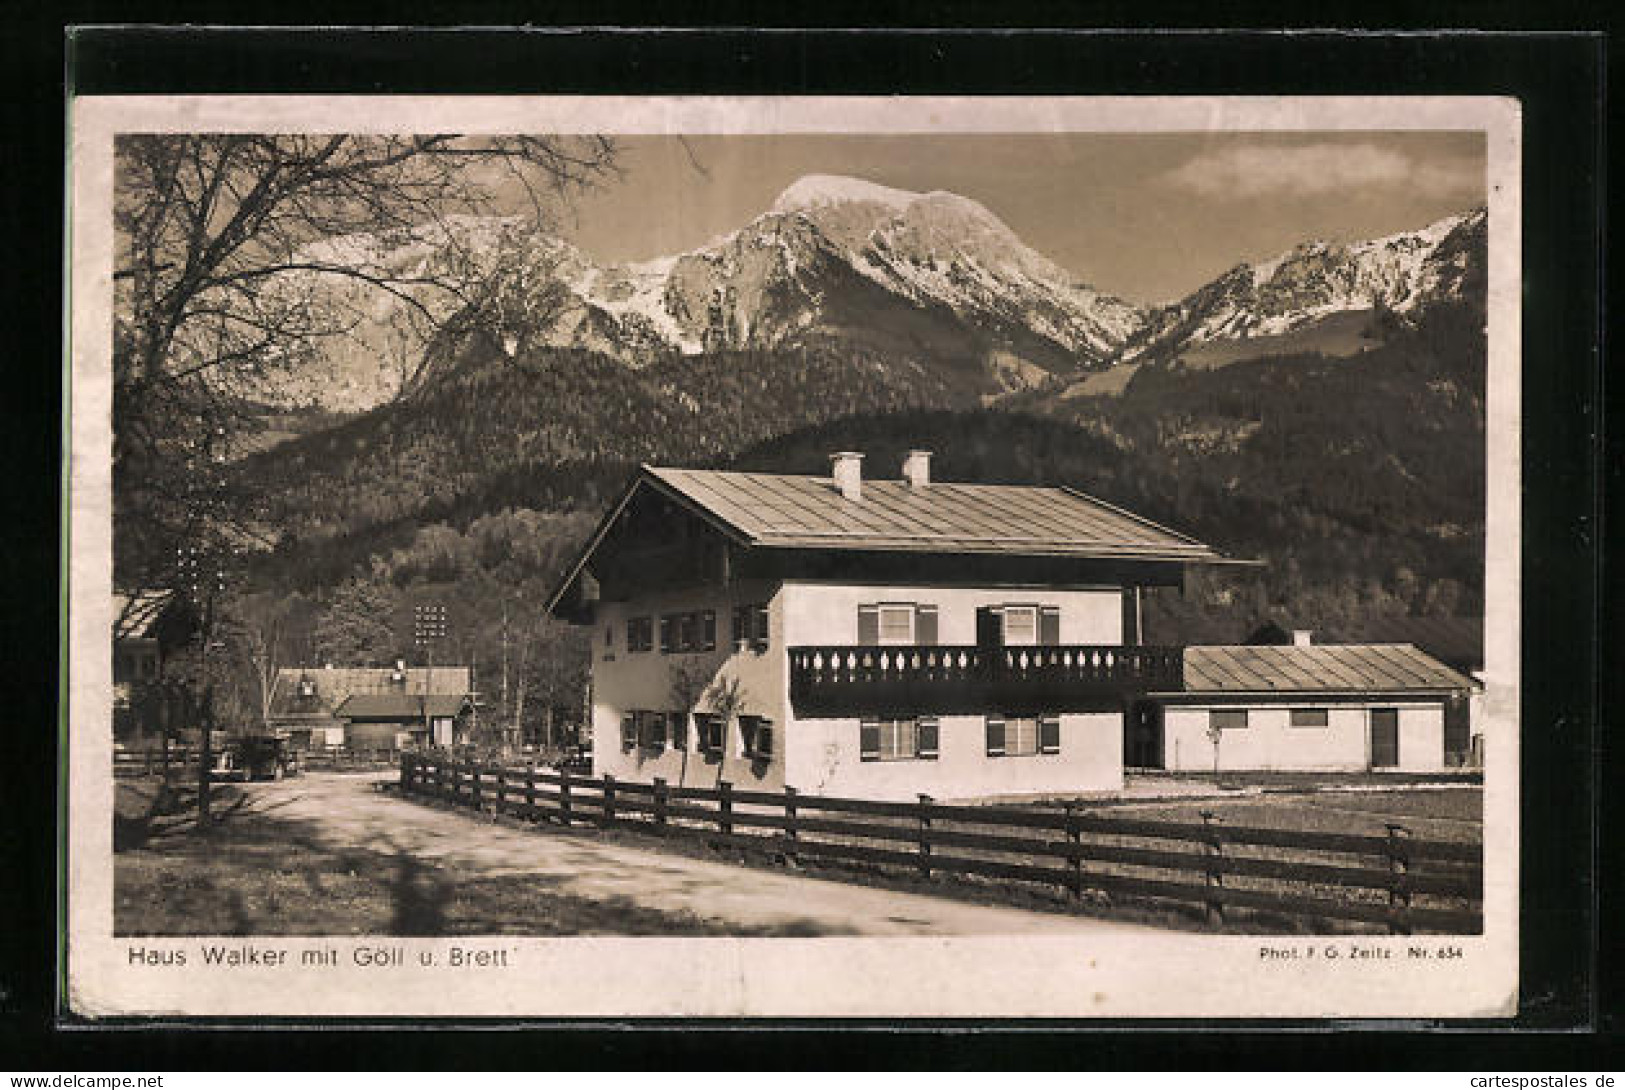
x=1302, y=637
x=846, y=468
x=917, y=468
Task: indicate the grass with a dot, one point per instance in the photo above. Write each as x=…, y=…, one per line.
x=253, y=874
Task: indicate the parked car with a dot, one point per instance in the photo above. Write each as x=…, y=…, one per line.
x=261, y=757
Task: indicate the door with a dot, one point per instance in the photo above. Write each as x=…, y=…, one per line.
x=1384, y=738
x=1142, y=723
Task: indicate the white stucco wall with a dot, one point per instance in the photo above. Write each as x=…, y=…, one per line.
x=824, y=759
x=1270, y=743
x=624, y=682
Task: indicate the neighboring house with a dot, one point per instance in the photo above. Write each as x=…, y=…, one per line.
x=371, y=707
x=1304, y=707
x=876, y=638
x=150, y=628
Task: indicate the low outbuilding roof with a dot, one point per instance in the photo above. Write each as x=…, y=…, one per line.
x=1317, y=669
x=398, y=706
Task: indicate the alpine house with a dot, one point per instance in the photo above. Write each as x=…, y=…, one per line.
x=871, y=638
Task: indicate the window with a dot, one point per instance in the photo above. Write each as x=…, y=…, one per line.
x=898, y=739
x=629, y=731
x=609, y=636
x=640, y=635
x=668, y=634
x=750, y=627
x=1227, y=719
x=1023, y=735
x=677, y=729
x=897, y=623
x=708, y=630
x=709, y=729
x=757, y=735
x=1020, y=626
x=651, y=730
x=688, y=632
x=1308, y=717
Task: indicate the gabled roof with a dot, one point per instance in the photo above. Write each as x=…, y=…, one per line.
x=786, y=511
x=334, y=685
x=1317, y=669
x=398, y=706
x=136, y=613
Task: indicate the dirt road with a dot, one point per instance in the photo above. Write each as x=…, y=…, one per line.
x=349, y=813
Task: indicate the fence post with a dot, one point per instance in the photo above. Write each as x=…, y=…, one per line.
x=609, y=799
x=925, y=845
x=502, y=788
x=1074, y=859
x=406, y=774
x=477, y=773
x=530, y=791
x=1214, y=877
x=660, y=805
x=790, y=854
x=564, y=796
x=1399, y=885
x=725, y=808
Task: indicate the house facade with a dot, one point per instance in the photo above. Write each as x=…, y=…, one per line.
x=371, y=708
x=150, y=628
x=1305, y=707
x=878, y=638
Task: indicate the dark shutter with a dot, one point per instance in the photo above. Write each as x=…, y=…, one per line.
x=708, y=630
x=925, y=739
x=678, y=722
x=995, y=736
x=666, y=634
x=925, y=625
x=868, y=625
x=869, y=740
x=741, y=621
x=1049, y=734
x=1049, y=625
x=629, y=731
x=989, y=627
x=758, y=616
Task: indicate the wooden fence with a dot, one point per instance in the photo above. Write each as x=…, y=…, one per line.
x=1397, y=881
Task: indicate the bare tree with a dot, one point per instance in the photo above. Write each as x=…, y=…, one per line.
x=226, y=243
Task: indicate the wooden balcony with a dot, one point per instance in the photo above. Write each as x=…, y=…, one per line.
x=969, y=679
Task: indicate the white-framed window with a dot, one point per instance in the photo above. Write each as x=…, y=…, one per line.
x=1020, y=626
x=1309, y=717
x=898, y=739
x=711, y=731
x=1023, y=735
x=896, y=623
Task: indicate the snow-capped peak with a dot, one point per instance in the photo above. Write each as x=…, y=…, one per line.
x=821, y=190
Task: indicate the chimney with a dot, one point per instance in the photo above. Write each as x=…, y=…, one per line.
x=847, y=470
x=1302, y=637
x=917, y=468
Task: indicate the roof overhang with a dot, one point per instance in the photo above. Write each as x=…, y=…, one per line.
x=1300, y=696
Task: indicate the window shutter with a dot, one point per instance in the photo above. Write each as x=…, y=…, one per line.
x=666, y=634
x=678, y=722
x=708, y=630
x=1049, y=625
x=925, y=739
x=869, y=740
x=925, y=625
x=758, y=616
x=989, y=627
x=629, y=731
x=995, y=736
x=764, y=739
x=1049, y=734
x=869, y=625
x=740, y=634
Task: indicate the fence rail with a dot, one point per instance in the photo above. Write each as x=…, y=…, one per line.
x=1399, y=881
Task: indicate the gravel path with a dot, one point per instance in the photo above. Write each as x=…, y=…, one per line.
x=351, y=811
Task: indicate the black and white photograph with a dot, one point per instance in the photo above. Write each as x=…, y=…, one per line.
x=794, y=556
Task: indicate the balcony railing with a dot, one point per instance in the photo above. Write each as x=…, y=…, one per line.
x=965, y=679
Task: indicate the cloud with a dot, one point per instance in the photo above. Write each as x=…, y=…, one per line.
x=1318, y=169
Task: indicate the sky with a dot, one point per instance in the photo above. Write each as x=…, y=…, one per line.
x=1148, y=217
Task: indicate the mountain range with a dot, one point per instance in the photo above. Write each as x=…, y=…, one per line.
x=932, y=280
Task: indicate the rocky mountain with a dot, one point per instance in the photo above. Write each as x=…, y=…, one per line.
x=1316, y=296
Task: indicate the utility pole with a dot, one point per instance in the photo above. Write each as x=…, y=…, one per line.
x=428, y=627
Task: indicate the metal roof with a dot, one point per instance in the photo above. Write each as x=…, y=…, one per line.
x=135, y=614
x=1317, y=668
x=803, y=512
x=334, y=684
x=398, y=706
